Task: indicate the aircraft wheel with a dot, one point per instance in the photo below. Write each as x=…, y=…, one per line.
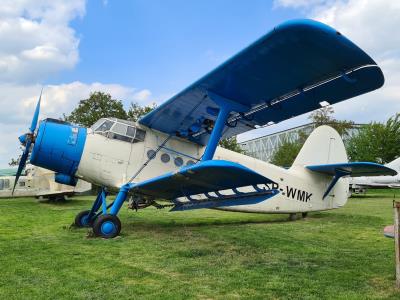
x=292, y=217
x=82, y=219
x=304, y=215
x=107, y=226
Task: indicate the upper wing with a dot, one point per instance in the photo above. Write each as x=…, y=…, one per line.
x=287, y=72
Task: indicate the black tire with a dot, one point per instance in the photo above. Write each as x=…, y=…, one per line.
x=107, y=226
x=81, y=219
x=304, y=215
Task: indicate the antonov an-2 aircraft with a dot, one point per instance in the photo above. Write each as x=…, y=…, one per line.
x=172, y=153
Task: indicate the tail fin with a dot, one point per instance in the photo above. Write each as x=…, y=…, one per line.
x=323, y=146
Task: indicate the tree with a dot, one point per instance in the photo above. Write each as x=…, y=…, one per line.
x=323, y=116
x=136, y=111
x=98, y=105
x=376, y=142
x=286, y=153
x=231, y=144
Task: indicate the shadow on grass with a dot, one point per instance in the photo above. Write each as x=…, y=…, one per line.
x=186, y=222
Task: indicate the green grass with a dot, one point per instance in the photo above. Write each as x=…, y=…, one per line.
x=203, y=254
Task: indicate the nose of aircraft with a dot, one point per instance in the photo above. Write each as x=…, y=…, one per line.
x=57, y=146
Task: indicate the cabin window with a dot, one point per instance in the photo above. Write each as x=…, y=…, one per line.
x=120, y=137
x=190, y=162
x=6, y=183
x=1, y=184
x=151, y=154
x=165, y=158
x=21, y=183
x=178, y=161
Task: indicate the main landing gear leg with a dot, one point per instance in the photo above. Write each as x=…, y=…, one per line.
x=87, y=217
x=108, y=225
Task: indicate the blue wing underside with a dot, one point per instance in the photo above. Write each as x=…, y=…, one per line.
x=287, y=72
x=352, y=169
x=203, y=177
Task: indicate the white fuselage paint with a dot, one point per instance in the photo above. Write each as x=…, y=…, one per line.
x=109, y=162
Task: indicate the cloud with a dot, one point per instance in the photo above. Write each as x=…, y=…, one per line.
x=36, y=39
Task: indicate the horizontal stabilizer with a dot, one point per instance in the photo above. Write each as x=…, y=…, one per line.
x=203, y=177
x=353, y=169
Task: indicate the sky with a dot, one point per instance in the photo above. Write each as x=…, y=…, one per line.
x=148, y=50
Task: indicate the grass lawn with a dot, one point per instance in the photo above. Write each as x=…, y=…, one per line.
x=204, y=254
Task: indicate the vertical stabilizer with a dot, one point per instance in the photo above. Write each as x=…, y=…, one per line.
x=323, y=146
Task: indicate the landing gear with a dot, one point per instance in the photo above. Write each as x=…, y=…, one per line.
x=107, y=226
x=304, y=215
x=102, y=216
x=83, y=219
x=292, y=217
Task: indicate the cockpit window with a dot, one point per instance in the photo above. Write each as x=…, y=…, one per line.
x=119, y=129
x=131, y=131
x=104, y=125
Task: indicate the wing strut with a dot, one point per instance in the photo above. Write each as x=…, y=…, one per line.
x=225, y=108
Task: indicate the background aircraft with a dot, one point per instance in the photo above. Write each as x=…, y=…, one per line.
x=172, y=153
x=360, y=184
x=38, y=182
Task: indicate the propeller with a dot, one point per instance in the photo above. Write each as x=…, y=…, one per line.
x=27, y=140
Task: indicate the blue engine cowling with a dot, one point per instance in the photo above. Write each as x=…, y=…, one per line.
x=59, y=147
x=65, y=179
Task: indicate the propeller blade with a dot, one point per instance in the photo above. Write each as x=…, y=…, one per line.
x=22, y=163
x=36, y=114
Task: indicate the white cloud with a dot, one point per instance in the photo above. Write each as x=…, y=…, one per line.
x=36, y=39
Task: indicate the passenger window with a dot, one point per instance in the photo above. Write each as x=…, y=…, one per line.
x=1, y=184
x=178, y=161
x=6, y=183
x=151, y=154
x=165, y=158
x=21, y=183
x=190, y=162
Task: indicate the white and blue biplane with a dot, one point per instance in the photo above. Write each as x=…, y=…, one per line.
x=172, y=152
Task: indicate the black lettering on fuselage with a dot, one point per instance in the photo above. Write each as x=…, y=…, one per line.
x=298, y=194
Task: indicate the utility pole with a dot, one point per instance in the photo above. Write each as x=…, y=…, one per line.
x=396, y=206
